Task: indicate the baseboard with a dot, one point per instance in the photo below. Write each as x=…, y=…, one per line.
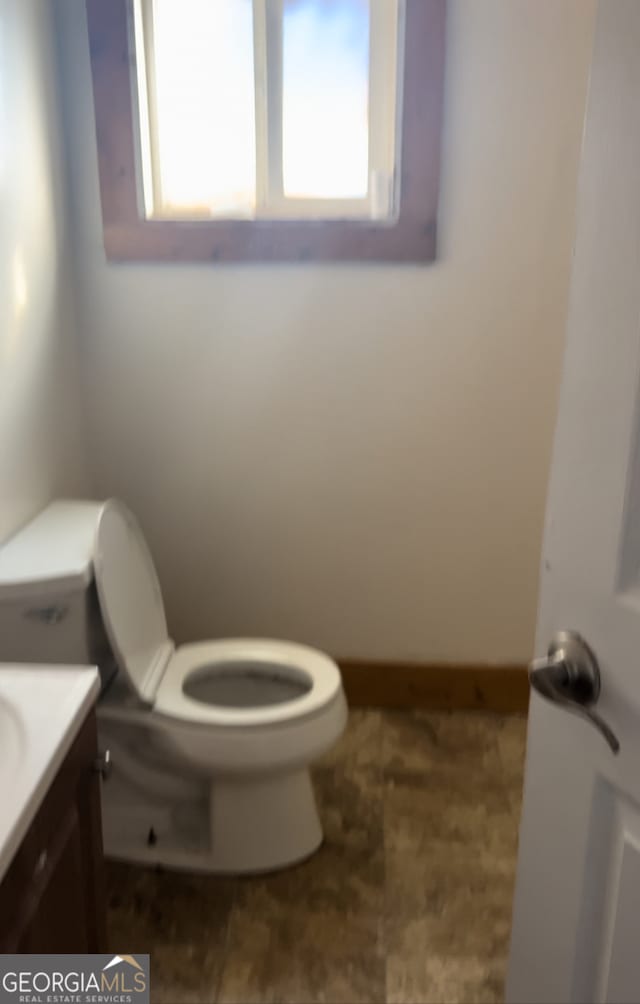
x=437, y=686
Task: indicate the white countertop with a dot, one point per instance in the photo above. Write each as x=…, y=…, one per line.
x=41, y=711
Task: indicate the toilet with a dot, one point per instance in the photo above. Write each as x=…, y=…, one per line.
x=210, y=743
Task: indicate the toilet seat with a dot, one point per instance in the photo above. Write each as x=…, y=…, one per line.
x=157, y=672
x=271, y=656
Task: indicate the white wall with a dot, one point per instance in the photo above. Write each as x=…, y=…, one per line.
x=40, y=448
x=356, y=456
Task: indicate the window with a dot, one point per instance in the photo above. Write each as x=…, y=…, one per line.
x=268, y=129
x=273, y=109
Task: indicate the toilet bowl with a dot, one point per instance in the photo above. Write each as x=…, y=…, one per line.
x=250, y=705
x=211, y=742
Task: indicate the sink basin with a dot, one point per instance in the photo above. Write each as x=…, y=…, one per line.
x=12, y=741
x=41, y=711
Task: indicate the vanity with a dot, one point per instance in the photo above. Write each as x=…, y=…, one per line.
x=51, y=861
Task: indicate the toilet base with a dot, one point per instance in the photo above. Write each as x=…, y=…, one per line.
x=237, y=826
x=262, y=823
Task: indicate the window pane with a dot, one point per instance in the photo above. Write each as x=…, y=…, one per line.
x=325, y=124
x=204, y=92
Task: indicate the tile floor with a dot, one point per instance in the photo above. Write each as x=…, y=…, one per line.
x=408, y=900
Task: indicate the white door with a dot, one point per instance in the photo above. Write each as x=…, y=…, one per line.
x=576, y=928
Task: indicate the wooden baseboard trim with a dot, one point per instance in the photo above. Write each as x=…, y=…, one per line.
x=436, y=686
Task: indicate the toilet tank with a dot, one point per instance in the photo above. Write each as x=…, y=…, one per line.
x=49, y=609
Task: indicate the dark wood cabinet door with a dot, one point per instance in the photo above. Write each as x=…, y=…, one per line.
x=52, y=897
x=59, y=910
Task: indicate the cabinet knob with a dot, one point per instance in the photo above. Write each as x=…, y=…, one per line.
x=41, y=863
x=103, y=764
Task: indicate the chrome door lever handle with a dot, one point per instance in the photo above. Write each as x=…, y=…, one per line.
x=569, y=676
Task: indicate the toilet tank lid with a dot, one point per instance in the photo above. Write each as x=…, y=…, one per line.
x=52, y=552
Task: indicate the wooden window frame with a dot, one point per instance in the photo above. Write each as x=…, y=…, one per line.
x=128, y=236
